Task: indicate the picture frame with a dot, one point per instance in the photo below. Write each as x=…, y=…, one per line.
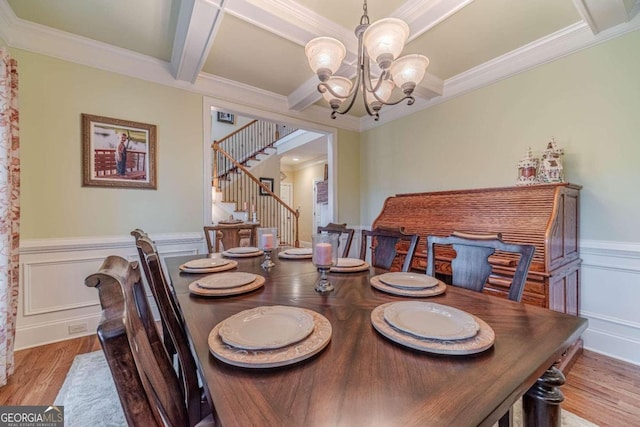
x=226, y=117
x=118, y=153
x=268, y=182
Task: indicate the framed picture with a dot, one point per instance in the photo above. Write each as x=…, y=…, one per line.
x=118, y=153
x=268, y=182
x=226, y=117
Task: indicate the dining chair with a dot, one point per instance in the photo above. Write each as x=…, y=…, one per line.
x=383, y=243
x=225, y=237
x=149, y=389
x=471, y=267
x=340, y=229
x=174, y=334
x=166, y=337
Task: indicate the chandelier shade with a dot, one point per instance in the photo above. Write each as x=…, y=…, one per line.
x=381, y=42
x=385, y=39
x=325, y=55
x=339, y=89
x=383, y=91
x=409, y=70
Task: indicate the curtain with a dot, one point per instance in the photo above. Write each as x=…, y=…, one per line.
x=9, y=210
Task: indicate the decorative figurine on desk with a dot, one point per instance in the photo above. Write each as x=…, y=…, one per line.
x=267, y=242
x=551, y=167
x=325, y=256
x=527, y=170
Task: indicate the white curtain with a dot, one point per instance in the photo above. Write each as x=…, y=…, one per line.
x=9, y=210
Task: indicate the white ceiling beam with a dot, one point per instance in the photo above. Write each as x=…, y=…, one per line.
x=604, y=14
x=290, y=20
x=422, y=15
x=198, y=23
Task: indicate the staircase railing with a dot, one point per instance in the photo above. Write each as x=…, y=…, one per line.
x=246, y=143
x=271, y=210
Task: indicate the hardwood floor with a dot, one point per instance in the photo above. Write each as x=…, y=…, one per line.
x=600, y=389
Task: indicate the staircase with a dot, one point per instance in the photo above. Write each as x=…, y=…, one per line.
x=233, y=157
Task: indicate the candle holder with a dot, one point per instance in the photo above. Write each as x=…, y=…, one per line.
x=267, y=242
x=325, y=256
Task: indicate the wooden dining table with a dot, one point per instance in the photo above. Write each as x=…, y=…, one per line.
x=362, y=378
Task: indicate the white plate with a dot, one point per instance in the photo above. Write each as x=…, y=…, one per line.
x=226, y=280
x=298, y=251
x=482, y=341
x=304, y=349
x=431, y=320
x=205, y=263
x=408, y=280
x=243, y=250
x=349, y=262
x=266, y=327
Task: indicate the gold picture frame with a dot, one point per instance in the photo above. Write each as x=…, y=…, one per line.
x=118, y=153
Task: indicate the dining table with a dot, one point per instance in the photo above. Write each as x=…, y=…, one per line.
x=360, y=377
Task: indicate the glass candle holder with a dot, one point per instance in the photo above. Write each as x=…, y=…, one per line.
x=325, y=256
x=267, y=242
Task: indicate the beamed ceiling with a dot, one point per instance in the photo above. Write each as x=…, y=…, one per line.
x=251, y=52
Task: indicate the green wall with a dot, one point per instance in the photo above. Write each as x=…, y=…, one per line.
x=588, y=101
x=348, y=209
x=53, y=95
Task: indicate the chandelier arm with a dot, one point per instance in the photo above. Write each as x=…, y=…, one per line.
x=410, y=100
x=351, y=102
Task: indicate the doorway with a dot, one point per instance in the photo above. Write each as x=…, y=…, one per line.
x=211, y=106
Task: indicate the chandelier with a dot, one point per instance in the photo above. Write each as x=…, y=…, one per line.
x=381, y=41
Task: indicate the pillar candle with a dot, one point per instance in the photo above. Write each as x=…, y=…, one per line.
x=323, y=253
x=267, y=241
x=253, y=207
x=245, y=206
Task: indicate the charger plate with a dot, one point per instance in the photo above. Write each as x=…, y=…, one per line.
x=308, y=347
x=406, y=280
x=243, y=250
x=431, y=320
x=350, y=265
x=195, y=289
x=231, y=264
x=440, y=288
x=296, y=253
x=242, y=254
x=205, y=263
x=226, y=280
x=483, y=340
x=265, y=328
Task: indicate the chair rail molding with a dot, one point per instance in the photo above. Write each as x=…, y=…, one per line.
x=53, y=303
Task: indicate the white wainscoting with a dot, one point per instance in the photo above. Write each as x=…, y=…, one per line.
x=53, y=296
x=610, y=298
